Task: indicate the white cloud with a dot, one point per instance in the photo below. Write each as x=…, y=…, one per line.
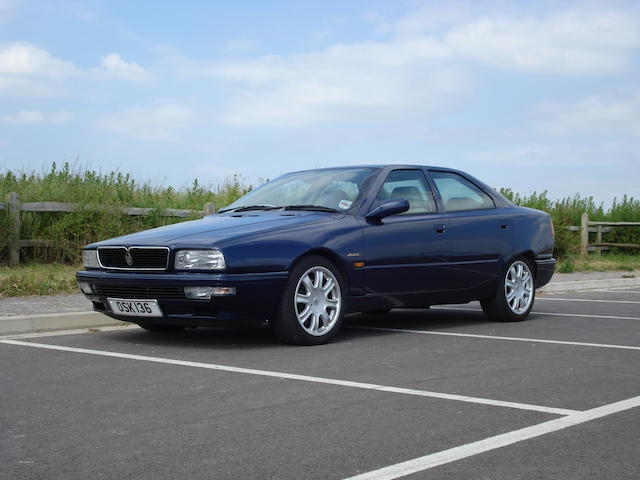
x=600, y=115
x=35, y=117
x=114, y=66
x=25, y=59
x=425, y=65
x=158, y=123
x=568, y=43
x=372, y=79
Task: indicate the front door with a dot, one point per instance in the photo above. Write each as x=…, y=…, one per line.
x=407, y=253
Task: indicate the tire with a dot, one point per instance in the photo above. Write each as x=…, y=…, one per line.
x=515, y=296
x=312, y=305
x=155, y=327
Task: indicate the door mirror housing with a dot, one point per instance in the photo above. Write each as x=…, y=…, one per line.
x=388, y=207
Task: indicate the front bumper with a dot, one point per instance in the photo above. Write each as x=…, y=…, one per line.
x=257, y=295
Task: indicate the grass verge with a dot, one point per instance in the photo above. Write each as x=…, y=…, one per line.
x=38, y=279
x=604, y=263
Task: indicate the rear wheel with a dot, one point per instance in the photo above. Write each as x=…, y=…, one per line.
x=514, y=299
x=311, y=308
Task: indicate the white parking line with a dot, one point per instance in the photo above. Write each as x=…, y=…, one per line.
x=610, y=317
x=457, y=453
x=584, y=300
x=495, y=337
x=306, y=378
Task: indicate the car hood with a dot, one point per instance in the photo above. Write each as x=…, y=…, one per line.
x=216, y=228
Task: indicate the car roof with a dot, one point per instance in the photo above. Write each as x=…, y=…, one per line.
x=382, y=166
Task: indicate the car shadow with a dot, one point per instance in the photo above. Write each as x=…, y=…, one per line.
x=256, y=337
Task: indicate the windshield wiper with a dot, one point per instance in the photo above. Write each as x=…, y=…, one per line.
x=264, y=206
x=317, y=208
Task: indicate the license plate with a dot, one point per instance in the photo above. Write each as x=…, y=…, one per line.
x=135, y=308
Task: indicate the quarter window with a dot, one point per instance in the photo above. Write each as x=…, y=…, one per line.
x=460, y=194
x=410, y=185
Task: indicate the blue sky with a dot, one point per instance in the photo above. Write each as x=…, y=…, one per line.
x=528, y=95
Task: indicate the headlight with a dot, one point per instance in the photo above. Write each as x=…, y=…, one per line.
x=199, y=260
x=90, y=259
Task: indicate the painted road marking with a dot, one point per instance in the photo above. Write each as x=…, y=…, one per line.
x=492, y=443
x=584, y=300
x=495, y=337
x=306, y=378
x=610, y=317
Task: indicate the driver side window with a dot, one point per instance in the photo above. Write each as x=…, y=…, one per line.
x=410, y=185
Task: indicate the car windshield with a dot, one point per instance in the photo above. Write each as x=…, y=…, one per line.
x=338, y=189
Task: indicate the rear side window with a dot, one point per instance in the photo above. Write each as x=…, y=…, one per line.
x=410, y=185
x=459, y=194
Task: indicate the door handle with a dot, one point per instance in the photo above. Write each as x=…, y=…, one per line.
x=440, y=228
x=504, y=226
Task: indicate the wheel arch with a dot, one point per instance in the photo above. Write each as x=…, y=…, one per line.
x=528, y=255
x=329, y=255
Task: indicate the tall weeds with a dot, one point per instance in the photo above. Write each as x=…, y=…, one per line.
x=567, y=211
x=70, y=231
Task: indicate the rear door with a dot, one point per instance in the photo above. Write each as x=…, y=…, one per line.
x=407, y=252
x=480, y=233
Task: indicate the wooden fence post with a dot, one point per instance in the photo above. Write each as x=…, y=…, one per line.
x=209, y=208
x=584, y=234
x=14, y=229
x=599, y=240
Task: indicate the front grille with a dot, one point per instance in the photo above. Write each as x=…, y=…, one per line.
x=131, y=291
x=140, y=258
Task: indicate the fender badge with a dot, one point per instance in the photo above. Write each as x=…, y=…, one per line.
x=353, y=254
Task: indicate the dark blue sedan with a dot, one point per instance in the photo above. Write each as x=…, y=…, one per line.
x=304, y=249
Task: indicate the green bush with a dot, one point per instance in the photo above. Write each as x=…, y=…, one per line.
x=70, y=231
x=567, y=211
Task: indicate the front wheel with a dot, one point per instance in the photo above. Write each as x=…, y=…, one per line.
x=514, y=299
x=311, y=308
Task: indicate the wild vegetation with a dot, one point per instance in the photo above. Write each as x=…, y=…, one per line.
x=70, y=231
x=567, y=211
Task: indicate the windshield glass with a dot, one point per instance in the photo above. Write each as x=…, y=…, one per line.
x=339, y=189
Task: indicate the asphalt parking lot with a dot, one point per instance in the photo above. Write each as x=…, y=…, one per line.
x=433, y=394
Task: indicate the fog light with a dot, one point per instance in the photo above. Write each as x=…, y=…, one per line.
x=85, y=287
x=223, y=291
x=202, y=293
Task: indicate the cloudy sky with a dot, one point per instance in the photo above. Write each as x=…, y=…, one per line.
x=529, y=95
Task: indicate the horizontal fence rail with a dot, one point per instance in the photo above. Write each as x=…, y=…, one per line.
x=587, y=226
x=14, y=206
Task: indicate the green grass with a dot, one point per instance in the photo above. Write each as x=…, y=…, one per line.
x=71, y=231
x=47, y=279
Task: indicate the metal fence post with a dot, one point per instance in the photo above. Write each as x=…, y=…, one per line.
x=584, y=234
x=14, y=229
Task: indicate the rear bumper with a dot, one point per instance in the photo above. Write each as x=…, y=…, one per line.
x=257, y=295
x=545, y=267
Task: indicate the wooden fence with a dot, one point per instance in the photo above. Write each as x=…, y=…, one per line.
x=14, y=207
x=599, y=228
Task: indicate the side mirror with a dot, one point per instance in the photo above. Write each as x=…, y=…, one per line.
x=388, y=207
